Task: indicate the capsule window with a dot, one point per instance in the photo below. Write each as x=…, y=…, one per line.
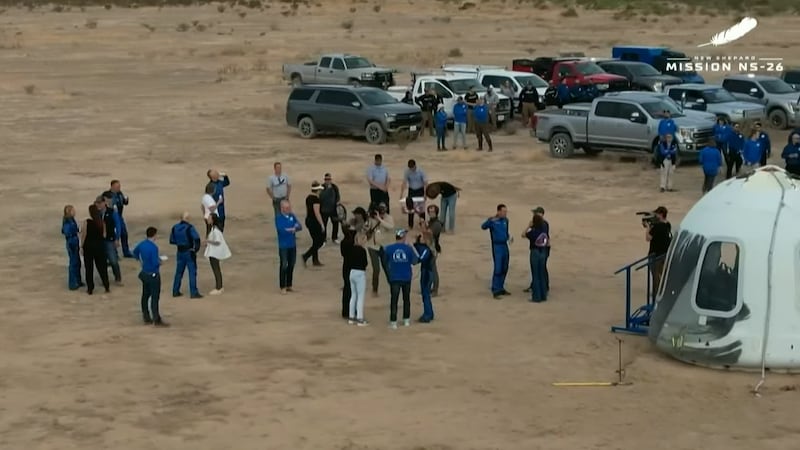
x=717, y=292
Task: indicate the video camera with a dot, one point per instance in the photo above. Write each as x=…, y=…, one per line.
x=649, y=218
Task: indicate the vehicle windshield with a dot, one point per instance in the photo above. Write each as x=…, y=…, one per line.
x=643, y=70
x=678, y=57
x=777, y=87
x=357, y=62
x=656, y=108
x=461, y=86
x=589, y=68
x=718, y=96
x=535, y=81
x=376, y=97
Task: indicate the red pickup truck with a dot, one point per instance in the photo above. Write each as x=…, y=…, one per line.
x=579, y=71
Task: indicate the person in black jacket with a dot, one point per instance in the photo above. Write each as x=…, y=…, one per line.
x=358, y=279
x=345, y=248
x=92, y=237
x=329, y=199
x=428, y=103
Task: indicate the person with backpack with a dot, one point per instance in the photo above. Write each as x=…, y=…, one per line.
x=539, y=241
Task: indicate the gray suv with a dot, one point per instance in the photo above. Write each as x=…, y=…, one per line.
x=778, y=98
x=356, y=111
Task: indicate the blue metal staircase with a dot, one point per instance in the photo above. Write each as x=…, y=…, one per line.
x=638, y=320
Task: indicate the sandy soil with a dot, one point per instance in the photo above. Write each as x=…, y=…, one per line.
x=255, y=370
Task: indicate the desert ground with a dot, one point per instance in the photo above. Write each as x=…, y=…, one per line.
x=156, y=96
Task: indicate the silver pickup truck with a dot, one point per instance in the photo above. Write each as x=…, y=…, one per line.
x=715, y=99
x=626, y=121
x=340, y=68
x=780, y=100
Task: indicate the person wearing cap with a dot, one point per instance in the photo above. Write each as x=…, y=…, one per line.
x=471, y=99
x=659, y=234
x=498, y=231
x=314, y=224
x=400, y=258
x=537, y=235
x=146, y=252
x=491, y=100
x=287, y=226
x=791, y=155
x=329, y=199
x=764, y=143
x=710, y=160
x=415, y=179
x=428, y=104
x=379, y=234
x=441, y=127
x=427, y=268
x=279, y=187
x=667, y=125
x=120, y=201
x=378, y=180
x=733, y=159
x=667, y=161
x=113, y=228
x=185, y=237
x=220, y=181
x=460, y=123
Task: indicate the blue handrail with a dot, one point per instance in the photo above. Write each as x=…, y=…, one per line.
x=631, y=264
x=637, y=321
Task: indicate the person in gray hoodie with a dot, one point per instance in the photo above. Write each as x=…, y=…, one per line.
x=492, y=99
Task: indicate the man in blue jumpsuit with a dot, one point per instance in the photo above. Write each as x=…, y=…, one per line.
x=113, y=230
x=185, y=237
x=120, y=201
x=221, y=181
x=766, y=146
x=498, y=230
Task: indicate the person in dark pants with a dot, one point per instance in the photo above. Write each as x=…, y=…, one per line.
x=427, y=103
x=329, y=199
x=345, y=248
x=722, y=132
x=791, y=155
x=471, y=99
x=764, y=143
x=379, y=234
x=279, y=187
x=147, y=254
x=216, y=251
x=659, y=235
x=120, y=201
x=221, y=181
x=733, y=158
x=498, y=231
x=400, y=257
x=539, y=211
x=711, y=160
x=113, y=226
x=94, y=249
x=539, y=240
x=440, y=118
x=287, y=225
x=315, y=225
x=481, y=117
x=415, y=179
x=71, y=232
x=378, y=179
x=427, y=260
x=185, y=237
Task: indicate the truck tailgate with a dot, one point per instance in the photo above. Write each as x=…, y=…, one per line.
x=574, y=120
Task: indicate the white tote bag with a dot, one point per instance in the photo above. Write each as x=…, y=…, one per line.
x=220, y=250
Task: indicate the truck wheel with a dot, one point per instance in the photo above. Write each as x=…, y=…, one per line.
x=777, y=117
x=375, y=133
x=355, y=83
x=307, y=128
x=561, y=146
x=297, y=80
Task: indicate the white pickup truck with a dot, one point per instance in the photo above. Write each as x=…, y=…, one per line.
x=449, y=86
x=497, y=75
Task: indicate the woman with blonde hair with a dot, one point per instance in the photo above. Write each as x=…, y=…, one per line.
x=71, y=232
x=216, y=251
x=93, y=243
x=358, y=278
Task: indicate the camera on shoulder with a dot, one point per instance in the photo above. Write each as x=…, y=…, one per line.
x=649, y=218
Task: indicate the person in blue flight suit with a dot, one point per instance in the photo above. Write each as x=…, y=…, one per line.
x=791, y=154
x=69, y=228
x=722, y=131
x=764, y=143
x=440, y=119
x=113, y=229
x=795, y=131
x=120, y=201
x=733, y=158
x=752, y=152
x=426, y=274
x=563, y=93
x=221, y=181
x=711, y=160
x=186, y=238
x=666, y=125
x=498, y=230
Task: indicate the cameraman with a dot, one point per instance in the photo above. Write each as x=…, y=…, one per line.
x=658, y=232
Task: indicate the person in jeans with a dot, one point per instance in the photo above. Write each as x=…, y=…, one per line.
x=379, y=233
x=427, y=263
x=287, y=225
x=147, y=254
x=113, y=225
x=71, y=232
x=415, y=179
x=185, y=237
x=440, y=119
x=447, y=208
x=216, y=251
x=400, y=257
x=94, y=249
x=460, y=123
x=539, y=241
x=329, y=199
x=314, y=224
x=358, y=280
x=279, y=187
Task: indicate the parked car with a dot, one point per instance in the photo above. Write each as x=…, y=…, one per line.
x=792, y=78
x=497, y=75
x=577, y=71
x=626, y=121
x=659, y=58
x=356, y=111
x=715, y=99
x=778, y=98
x=449, y=86
x=642, y=76
x=339, y=68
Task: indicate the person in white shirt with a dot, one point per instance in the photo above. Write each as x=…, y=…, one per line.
x=216, y=251
x=209, y=205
